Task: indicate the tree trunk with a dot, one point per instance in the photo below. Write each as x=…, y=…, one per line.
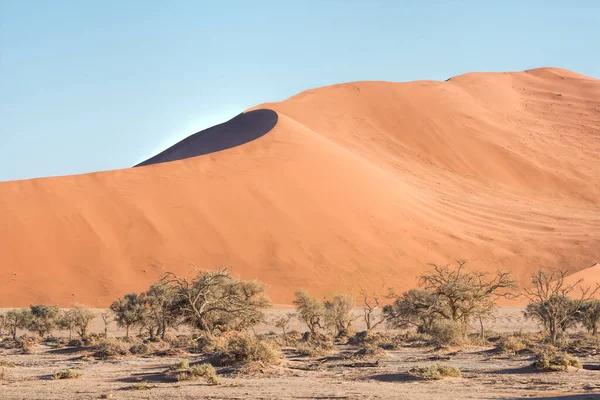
x=127, y=331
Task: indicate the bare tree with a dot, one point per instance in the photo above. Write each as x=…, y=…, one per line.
x=215, y=300
x=106, y=320
x=283, y=323
x=310, y=310
x=551, y=304
x=370, y=307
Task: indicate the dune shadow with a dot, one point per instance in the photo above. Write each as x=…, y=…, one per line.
x=239, y=130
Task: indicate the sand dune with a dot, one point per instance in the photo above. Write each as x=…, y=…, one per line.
x=357, y=184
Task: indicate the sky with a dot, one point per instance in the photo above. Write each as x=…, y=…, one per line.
x=98, y=85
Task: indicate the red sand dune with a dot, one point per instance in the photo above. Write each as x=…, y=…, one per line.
x=358, y=184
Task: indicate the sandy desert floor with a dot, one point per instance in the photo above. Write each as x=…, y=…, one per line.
x=487, y=374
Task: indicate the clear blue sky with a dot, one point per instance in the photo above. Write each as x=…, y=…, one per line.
x=94, y=85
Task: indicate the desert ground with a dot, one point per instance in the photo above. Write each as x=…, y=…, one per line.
x=487, y=372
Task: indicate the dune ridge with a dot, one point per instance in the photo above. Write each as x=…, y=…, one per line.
x=361, y=183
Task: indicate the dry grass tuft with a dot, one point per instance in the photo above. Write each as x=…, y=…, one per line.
x=204, y=370
x=435, y=372
x=556, y=361
x=66, y=374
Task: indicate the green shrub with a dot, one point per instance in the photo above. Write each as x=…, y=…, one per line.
x=6, y=364
x=308, y=349
x=435, y=372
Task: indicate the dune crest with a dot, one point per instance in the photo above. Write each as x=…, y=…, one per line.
x=361, y=183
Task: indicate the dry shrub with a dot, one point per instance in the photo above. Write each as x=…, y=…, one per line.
x=4, y=374
x=75, y=343
x=447, y=333
x=26, y=344
x=253, y=368
x=111, y=348
x=366, y=338
x=556, y=361
x=514, y=343
x=66, y=374
x=143, y=385
x=293, y=336
x=435, y=372
x=204, y=370
x=312, y=349
x=370, y=351
x=417, y=339
x=180, y=341
x=6, y=364
x=245, y=349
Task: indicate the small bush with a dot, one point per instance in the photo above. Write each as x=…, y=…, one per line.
x=110, y=348
x=244, y=349
x=556, y=361
x=204, y=370
x=312, y=350
x=66, y=374
x=75, y=343
x=183, y=364
x=365, y=338
x=435, y=372
x=513, y=343
x=447, y=333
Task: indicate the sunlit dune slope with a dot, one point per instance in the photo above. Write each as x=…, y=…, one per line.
x=359, y=184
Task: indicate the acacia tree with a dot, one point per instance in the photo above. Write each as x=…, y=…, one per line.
x=338, y=313
x=43, y=319
x=17, y=319
x=461, y=295
x=162, y=311
x=551, y=304
x=310, y=310
x=589, y=316
x=129, y=311
x=82, y=319
x=66, y=322
x=450, y=293
x=216, y=300
x=415, y=307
